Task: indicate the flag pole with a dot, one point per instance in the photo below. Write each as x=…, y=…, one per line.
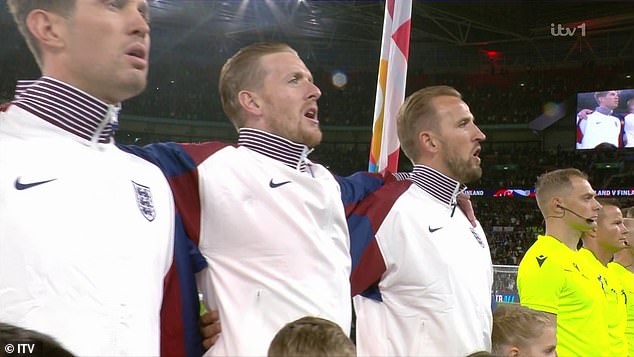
x=390, y=89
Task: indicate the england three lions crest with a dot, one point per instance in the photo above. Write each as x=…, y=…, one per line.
x=477, y=237
x=144, y=201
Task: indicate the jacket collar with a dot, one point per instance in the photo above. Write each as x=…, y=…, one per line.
x=68, y=108
x=437, y=184
x=289, y=153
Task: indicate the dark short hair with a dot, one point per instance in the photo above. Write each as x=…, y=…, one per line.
x=628, y=212
x=44, y=344
x=606, y=201
x=602, y=94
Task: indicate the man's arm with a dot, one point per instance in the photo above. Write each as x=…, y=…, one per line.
x=180, y=312
x=583, y=114
x=357, y=186
x=581, y=126
x=364, y=222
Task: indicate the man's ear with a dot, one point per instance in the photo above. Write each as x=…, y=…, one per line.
x=47, y=27
x=514, y=352
x=250, y=102
x=427, y=141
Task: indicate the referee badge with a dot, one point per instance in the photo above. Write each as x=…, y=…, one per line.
x=144, y=201
x=477, y=237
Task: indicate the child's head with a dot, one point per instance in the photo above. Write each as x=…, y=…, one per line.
x=41, y=344
x=520, y=331
x=311, y=336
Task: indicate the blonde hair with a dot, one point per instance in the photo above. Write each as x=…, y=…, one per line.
x=311, y=336
x=550, y=183
x=20, y=9
x=243, y=71
x=516, y=325
x=417, y=113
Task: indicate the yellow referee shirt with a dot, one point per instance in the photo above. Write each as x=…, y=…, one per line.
x=626, y=278
x=553, y=278
x=616, y=316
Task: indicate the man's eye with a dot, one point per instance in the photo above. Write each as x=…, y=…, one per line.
x=145, y=14
x=117, y=4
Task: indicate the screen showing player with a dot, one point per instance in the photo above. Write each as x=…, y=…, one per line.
x=605, y=119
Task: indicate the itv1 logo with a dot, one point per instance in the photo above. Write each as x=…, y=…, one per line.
x=560, y=30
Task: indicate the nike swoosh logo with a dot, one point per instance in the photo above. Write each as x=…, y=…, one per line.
x=432, y=230
x=277, y=184
x=23, y=186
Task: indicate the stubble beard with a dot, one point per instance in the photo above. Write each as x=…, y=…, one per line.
x=463, y=170
x=311, y=136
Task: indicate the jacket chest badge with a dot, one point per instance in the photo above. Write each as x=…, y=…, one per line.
x=477, y=237
x=144, y=201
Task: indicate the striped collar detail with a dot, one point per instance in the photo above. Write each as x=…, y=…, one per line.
x=289, y=153
x=440, y=186
x=68, y=108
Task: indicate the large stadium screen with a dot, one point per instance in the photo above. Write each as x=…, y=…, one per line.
x=605, y=119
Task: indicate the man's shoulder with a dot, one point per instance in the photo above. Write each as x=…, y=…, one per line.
x=618, y=268
x=175, y=158
x=388, y=194
x=596, y=114
x=376, y=206
x=543, y=255
x=199, y=152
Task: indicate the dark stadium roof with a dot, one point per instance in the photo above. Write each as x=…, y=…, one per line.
x=517, y=29
x=444, y=33
x=323, y=22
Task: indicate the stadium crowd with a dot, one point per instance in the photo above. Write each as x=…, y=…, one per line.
x=509, y=98
x=188, y=90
